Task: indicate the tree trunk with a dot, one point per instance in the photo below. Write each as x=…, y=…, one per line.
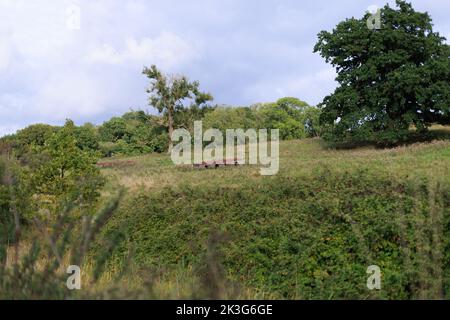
x=170, y=125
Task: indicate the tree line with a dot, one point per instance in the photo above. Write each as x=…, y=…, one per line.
x=137, y=132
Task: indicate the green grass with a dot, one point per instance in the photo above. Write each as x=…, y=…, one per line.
x=297, y=158
x=309, y=232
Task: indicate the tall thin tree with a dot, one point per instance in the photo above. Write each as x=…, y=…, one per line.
x=171, y=92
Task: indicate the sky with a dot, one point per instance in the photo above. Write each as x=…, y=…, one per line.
x=83, y=59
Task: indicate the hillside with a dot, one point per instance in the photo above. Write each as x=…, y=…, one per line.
x=309, y=232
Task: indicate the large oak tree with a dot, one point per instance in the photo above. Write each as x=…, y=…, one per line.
x=389, y=79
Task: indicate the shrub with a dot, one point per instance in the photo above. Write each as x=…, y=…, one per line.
x=306, y=237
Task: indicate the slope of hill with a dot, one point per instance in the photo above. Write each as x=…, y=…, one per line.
x=309, y=232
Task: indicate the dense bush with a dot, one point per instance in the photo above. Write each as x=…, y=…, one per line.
x=223, y=118
x=53, y=171
x=5, y=219
x=294, y=118
x=87, y=137
x=113, y=130
x=69, y=174
x=29, y=141
x=307, y=237
x=133, y=133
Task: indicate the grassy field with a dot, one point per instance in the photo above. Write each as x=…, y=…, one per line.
x=309, y=232
x=297, y=158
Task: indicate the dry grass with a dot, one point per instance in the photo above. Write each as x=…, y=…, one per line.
x=297, y=158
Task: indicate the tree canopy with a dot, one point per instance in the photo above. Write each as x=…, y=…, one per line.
x=389, y=79
x=69, y=174
x=169, y=93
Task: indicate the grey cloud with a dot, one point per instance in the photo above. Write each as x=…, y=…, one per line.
x=241, y=51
